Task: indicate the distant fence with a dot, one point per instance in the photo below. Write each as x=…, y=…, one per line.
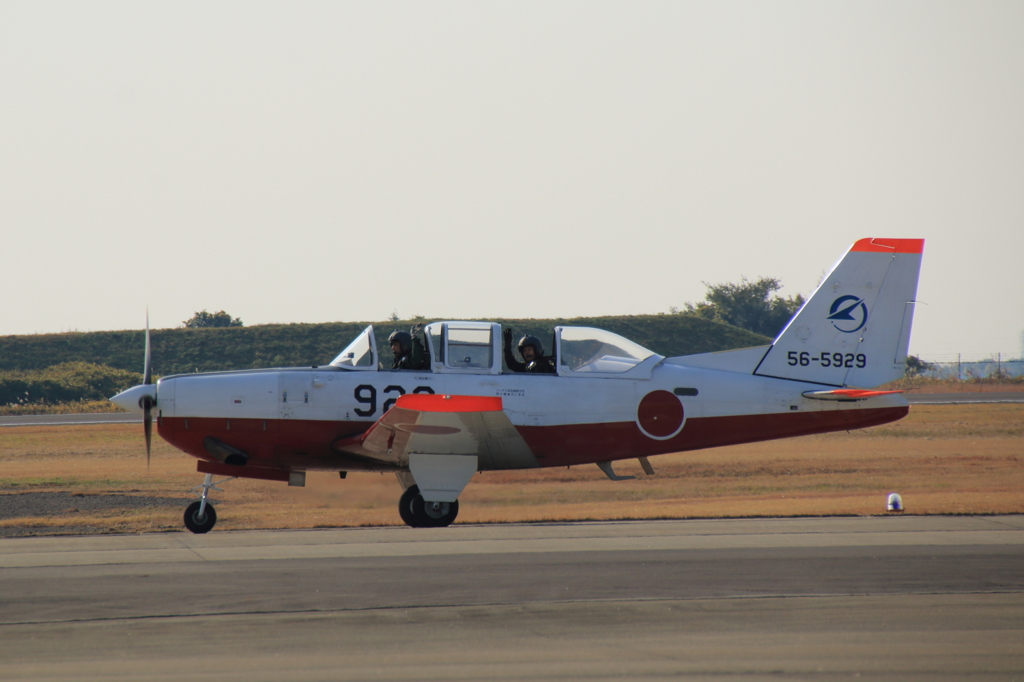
x=973, y=369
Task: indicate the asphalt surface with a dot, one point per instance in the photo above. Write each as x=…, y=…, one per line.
x=71, y=419
x=965, y=398
x=898, y=597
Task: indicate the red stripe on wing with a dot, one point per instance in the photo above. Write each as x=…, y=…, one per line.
x=427, y=402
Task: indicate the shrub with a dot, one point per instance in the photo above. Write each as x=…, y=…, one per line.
x=66, y=382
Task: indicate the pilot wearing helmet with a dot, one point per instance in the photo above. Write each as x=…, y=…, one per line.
x=532, y=351
x=409, y=350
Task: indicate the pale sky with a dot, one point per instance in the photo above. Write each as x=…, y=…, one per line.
x=329, y=161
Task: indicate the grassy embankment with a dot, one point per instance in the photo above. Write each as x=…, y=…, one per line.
x=42, y=373
x=963, y=459
x=177, y=351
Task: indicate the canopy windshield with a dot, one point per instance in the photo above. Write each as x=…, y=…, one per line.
x=360, y=354
x=586, y=349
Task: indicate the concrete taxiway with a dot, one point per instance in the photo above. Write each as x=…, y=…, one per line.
x=884, y=598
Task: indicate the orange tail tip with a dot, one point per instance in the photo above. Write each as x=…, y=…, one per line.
x=876, y=245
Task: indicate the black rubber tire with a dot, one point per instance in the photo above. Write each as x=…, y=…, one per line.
x=200, y=524
x=405, y=506
x=434, y=514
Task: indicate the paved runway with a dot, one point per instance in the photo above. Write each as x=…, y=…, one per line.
x=965, y=398
x=71, y=419
x=885, y=598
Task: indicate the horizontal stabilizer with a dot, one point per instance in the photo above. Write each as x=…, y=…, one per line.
x=846, y=394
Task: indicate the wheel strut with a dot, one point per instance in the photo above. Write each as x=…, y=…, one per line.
x=207, y=486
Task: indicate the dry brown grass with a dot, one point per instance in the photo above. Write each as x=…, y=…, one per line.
x=956, y=459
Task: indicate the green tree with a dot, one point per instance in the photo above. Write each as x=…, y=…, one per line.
x=917, y=366
x=748, y=305
x=204, y=319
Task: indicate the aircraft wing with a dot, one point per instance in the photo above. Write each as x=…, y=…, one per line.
x=443, y=425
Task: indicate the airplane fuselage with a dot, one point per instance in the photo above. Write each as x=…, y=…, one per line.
x=291, y=417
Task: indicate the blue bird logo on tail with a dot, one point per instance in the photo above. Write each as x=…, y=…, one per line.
x=848, y=314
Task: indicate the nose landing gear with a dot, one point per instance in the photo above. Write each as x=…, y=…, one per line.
x=200, y=516
x=200, y=519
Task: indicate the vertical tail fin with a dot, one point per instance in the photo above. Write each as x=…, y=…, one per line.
x=854, y=330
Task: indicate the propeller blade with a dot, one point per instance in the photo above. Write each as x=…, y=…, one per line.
x=147, y=372
x=147, y=402
x=147, y=424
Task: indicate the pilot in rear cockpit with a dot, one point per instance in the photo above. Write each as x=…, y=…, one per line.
x=409, y=350
x=532, y=351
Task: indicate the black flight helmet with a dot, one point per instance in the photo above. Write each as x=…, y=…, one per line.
x=403, y=338
x=534, y=343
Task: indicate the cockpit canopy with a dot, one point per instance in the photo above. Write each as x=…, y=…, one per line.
x=453, y=348
x=360, y=354
x=586, y=350
x=475, y=348
x=465, y=347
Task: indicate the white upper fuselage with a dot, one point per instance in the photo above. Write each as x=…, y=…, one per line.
x=712, y=385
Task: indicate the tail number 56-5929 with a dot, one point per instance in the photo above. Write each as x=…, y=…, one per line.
x=849, y=360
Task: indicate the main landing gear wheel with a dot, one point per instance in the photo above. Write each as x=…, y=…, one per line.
x=200, y=523
x=405, y=506
x=418, y=513
x=434, y=514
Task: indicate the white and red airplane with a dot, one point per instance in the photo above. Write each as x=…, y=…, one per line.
x=609, y=400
